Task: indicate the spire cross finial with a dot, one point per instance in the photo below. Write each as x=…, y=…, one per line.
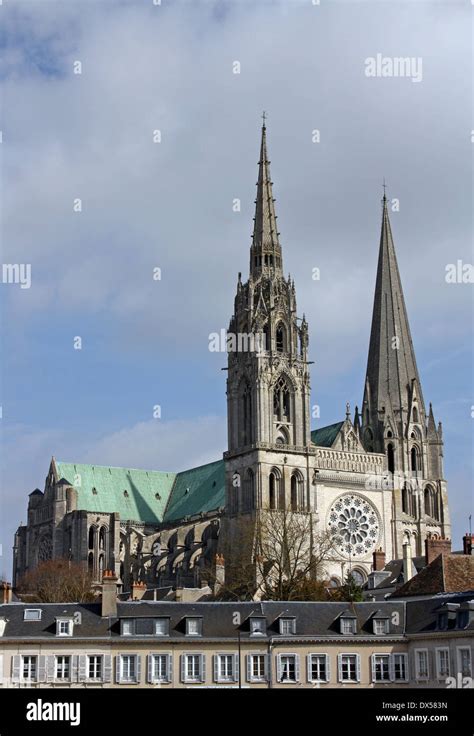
x=264, y=117
x=384, y=189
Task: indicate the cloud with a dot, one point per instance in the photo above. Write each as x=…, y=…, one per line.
x=169, y=204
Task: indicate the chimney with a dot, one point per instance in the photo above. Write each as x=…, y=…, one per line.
x=407, y=562
x=109, y=594
x=7, y=592
x=436, y=547
x=138, y=590
x=378, y=558
x=467, y=543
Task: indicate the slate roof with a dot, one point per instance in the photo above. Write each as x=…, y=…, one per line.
x=448, y=573
x=395, y=568
x=421, y=614
x=325, y=436
x=313, y=619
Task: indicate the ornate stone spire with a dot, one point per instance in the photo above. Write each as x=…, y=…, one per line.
x=265, y=253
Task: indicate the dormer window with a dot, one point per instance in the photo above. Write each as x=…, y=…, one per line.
x=127, y=627
x=64, y=626
x=287, y=626
x=442, y=620
x=193, y=626
x=258, y=626
x=162, y=627
x=348, y=625
x=380, y=626
x=32, y=614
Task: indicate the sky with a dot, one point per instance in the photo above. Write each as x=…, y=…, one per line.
x=167, y=201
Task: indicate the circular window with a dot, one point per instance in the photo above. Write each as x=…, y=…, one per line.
x=355, y=525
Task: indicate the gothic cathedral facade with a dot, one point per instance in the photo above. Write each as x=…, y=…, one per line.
x=374, y=482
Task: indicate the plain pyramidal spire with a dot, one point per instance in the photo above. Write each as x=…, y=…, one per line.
x=391, y=365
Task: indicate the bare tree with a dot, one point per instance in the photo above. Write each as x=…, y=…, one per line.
x=289, y=552
x=57, y=581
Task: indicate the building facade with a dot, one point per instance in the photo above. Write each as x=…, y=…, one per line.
x=263, y=645
x=374, y=482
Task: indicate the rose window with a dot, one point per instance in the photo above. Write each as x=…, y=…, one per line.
x=355, y=526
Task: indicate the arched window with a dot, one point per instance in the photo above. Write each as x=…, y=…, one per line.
x=358, y=577
x=272, y=490
x=436, y=506
x=246, y=408
x=281, y=400
x=391, y=458
x=280, y=338
x=267, y=345
x=415, y=414
x=234, y=494
x=102, y=537
x=405, y=499
x=414, y=459
x=90, y=562
x=427, y=500
x=294, y=493
x=91, y=537
x=249, y=493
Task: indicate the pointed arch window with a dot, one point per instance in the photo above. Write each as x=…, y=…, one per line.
x=102, y=537
x=414, y=459
x=281, y=400
x=91, y=537
x=280, y=338
x=415, y=414
x=246, y=403
x=297, y=492
x=405, y=500
x=249, y=491
x=391, y=458
x=275, y=489
x=427, y=500
x=90, y=562
x=272, y=483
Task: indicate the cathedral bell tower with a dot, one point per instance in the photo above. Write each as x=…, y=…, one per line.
x=394, y=417
x=268, y=385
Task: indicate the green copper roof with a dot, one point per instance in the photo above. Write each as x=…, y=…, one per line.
x=325, y=436
x=196, y=490
x=138, y=495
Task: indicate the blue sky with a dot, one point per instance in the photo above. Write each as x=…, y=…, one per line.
x=169, y=205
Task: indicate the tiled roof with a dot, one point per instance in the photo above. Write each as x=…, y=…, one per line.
x=449, y=573
x=325, y=436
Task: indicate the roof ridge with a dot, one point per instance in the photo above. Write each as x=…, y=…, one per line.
x=117, y=467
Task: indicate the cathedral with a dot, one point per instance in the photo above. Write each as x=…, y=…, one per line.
x=374, y=481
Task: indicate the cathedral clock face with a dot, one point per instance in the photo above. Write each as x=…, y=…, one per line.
x=355, y=525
